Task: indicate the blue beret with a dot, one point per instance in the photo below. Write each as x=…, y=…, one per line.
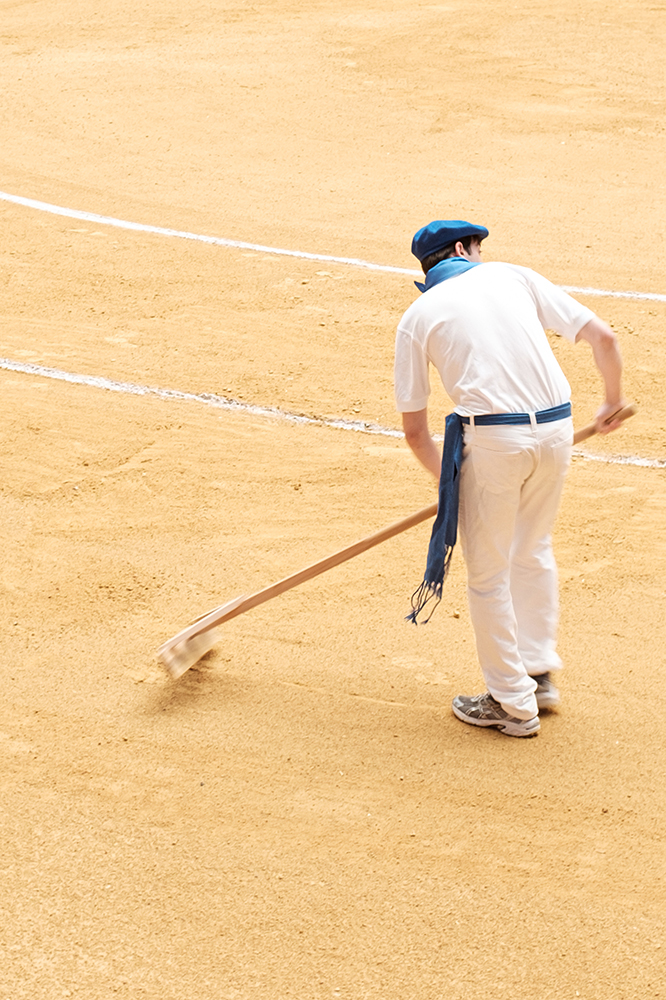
x=441, y=233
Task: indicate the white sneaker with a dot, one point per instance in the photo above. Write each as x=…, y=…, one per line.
x=483, y=710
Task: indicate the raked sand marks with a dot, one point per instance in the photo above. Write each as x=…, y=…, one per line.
x=222, y=402
x=226, y=403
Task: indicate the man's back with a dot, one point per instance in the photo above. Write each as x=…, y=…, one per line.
x=484, y=332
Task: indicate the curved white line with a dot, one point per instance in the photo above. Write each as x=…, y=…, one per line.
x=209, y=398
x=225, y=403
x=107, y=220
x=646, y=463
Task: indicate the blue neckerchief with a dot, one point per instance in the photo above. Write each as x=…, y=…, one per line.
x=445, y=528
x=448, y=268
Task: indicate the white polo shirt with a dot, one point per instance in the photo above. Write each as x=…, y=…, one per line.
x=484, y=331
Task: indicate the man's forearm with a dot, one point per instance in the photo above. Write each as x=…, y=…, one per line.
x=608, y=361
x=607, y=358
x=427, y=453
x=419, y=439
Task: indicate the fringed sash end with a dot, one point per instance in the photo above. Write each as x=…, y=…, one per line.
x=422, y=596
x=426, y=592
x=445, y=528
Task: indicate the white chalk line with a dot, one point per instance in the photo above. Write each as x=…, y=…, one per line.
x=237, y=406
x=646, y=463
x=209, y=398
x=222, y=402
x=107, y=220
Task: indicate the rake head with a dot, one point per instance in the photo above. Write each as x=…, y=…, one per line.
x=180, y=656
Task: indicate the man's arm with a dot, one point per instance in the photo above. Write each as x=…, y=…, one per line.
x=609, y=362
x=419, y=439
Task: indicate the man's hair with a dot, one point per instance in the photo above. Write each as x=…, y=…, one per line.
x=447, y=251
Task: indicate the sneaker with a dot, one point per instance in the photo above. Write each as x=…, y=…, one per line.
x=547, y=695
x=483, y=710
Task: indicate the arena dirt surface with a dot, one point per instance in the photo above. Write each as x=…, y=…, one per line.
x=300, y=816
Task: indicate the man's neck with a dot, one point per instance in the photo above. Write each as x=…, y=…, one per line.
x=449, y=268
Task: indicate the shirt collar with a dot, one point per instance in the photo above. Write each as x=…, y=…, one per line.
x=448, y=268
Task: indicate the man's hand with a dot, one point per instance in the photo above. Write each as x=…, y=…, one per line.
x=604, y=417
x=419, y=439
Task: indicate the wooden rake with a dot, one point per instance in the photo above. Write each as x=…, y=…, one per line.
x=183, y=650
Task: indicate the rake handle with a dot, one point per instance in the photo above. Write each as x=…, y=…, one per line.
x=587, y=432
x=239, y=605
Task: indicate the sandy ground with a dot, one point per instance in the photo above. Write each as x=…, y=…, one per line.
x=300, y=816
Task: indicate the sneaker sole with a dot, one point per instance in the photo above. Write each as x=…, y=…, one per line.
x=504, y=725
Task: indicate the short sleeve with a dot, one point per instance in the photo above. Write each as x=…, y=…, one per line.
x=557, y=310
x=411, y=377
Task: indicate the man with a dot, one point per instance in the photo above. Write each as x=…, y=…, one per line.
x=483, y=328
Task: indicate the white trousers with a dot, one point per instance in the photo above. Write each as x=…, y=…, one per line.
x=510, y=486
